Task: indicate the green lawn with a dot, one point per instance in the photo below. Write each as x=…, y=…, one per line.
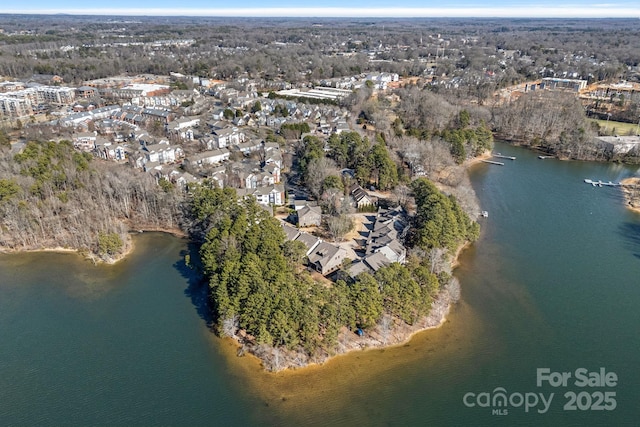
x=619, y=128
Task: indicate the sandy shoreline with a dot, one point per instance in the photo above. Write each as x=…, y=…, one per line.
x=129, y=247
x=395, y=335
x=632, y=200
x=278, y=360
x=484, y=156
x=58, y=249
x=349, y=342
x=80, y=252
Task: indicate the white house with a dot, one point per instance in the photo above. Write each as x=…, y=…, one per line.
x=110, y=151
x=228, y=136
x=269, y=195
x=208, y=157
x=274, y=170
x=273, y=157
x=249, y=147
x=162, y=153
x=85, y=141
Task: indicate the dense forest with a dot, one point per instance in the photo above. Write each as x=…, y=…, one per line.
x=552, y=121
x=54, y=196
x=298, y=50
x=260, y=290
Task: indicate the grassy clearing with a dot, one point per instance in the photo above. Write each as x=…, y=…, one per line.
x=619, y=128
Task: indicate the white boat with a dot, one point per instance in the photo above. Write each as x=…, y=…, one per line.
x=485, y=214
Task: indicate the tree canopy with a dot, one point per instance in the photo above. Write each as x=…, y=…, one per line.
x=372, y=163
x=258, y=285
x=439, y=220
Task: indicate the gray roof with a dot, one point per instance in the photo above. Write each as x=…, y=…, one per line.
x=308, y=240
x=310, y=210
x=323, y=253
x=376, y=261
x=289, y=231
x=208, y=154
x=357, y=268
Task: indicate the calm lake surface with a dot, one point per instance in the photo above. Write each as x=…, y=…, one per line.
x=553, y=282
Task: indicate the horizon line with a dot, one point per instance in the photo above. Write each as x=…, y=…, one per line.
x=594, y=11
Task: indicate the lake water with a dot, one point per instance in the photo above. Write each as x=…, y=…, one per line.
x=553, y=282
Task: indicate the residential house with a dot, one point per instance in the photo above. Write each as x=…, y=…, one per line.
x=239, y=121
x=270, y=195
x=264, y=179
x=309, y=240
x=162, y=116
x=394, y=251
x=249, y=147
x=275, y=122
x=274, y=170
x=182, y=128
x=155, y=169
x=109, y=151
x=228, y=136
x=291, y=233
x=385, y=237
x=250, y=180
x=309, y=216
x=217, y=113
x=162, y=153
x=360, y=196
x=208, y=158
x=326, y=258
x=85, y=141
x=218, y=179
x=299, y=204
x=369, y=264
x=342, y=126
x=620, y=144
x=86, y=92
x=273, y=157
x=182, y=179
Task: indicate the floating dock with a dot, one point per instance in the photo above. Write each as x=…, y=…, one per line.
x=500, y=156
x=600, y=183
x=493, y=163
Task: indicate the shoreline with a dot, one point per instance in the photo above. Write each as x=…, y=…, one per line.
x=478, y=159
x=440, y=308
x=275, y=360
x=632, y=203
x=58, y=249
x=128, y=246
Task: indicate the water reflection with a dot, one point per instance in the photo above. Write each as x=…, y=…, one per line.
x=630, y=234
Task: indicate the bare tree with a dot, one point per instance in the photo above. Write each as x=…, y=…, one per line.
x=338, y=226
x=317, y=171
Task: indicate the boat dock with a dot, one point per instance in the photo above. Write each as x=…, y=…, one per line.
x=600, y=183
x=500, y=156
x=493, y=163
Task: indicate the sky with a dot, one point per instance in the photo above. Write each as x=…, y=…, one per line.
x=336, y=8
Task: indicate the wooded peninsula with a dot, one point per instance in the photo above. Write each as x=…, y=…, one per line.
x=320, y=168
